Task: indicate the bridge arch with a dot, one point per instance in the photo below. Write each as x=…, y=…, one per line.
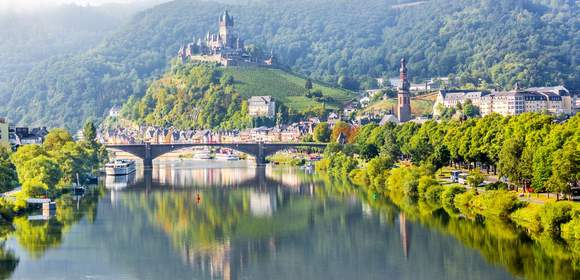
x=149, y=151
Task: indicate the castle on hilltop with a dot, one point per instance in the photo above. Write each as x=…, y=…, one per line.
x=225, y=48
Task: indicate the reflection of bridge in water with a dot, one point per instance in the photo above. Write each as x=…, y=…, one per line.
x=148, y=152
x=180, y=176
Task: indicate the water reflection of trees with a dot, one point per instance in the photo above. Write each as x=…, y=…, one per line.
x=499, y=242
x=204, y=231
x=38, y=236
x=8, y=260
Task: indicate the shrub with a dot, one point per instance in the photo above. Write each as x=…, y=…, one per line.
x=359, y=177
x=322, y=165
x=528, y=217
x=497, y=203
x=496, y=186
x=464, y=202
x=571, y=230
x=378, y=165
x=433, y=193
x=405, y=180
x=297, y=161
x=448, y=196
x=552, y=215
x=425, y=183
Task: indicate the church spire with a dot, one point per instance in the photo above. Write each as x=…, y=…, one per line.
x=403, y=75
x=404, y=100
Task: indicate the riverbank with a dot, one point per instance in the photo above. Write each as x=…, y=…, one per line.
x=555, y=221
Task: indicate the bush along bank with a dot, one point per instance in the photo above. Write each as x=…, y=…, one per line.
x=402, y=182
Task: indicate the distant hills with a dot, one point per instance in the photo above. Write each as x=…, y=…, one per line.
x=497, y=42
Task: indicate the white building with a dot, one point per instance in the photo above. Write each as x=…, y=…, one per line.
x=114, y=111
x=450, y=98
x=516, y=102
x=552, y=100
x=262, y=106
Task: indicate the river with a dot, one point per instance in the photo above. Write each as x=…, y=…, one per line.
x=230, y=220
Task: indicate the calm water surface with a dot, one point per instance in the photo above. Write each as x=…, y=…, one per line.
x=211, y=220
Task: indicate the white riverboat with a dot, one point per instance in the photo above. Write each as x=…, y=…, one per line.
x=227, y=157
x=205, y=154
x=120, y=167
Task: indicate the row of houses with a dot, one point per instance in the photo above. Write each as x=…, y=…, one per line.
x=11, y=135
x=553, y=100
x=159, y=135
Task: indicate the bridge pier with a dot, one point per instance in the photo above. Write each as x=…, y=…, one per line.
x=147, y=159
x=260, y=157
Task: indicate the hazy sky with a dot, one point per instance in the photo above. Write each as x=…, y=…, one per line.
x=35, y=4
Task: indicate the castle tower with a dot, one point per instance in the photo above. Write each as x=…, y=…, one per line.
x=404, y=106
x=227, y=30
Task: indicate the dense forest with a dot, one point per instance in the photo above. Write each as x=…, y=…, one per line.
x=346, y=42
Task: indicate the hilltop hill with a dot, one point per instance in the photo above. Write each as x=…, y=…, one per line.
x=497, y=42
x=210, y=97
x=286, y=87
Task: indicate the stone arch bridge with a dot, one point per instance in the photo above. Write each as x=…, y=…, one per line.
x=148, y=152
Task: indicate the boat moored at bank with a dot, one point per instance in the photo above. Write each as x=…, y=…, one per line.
x=120, y=167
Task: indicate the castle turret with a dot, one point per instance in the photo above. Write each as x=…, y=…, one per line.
x=227, y=30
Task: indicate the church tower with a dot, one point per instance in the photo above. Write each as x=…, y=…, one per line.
x=227, y=30
x=404, y=106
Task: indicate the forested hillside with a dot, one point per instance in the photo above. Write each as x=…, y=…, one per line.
x=206, y=96
x=30, y=38
x=346, y=42
x=191, y=97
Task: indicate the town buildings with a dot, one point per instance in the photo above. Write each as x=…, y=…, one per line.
x=552, y=100
x=262, y=106
x=27, y=136
x=13, y=136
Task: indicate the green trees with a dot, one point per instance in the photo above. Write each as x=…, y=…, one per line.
x=469, y=110
x=192, y=96
x=565, y=168
x=44, y=169
x=321, y=133
x=475, y=178
x=90, y=132
x=8, y=177
x=39, y=176
x=368, y=151
x=341, y=127
x=528, y=149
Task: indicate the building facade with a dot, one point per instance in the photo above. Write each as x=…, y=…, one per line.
x=552, y=100
x=262, y=106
